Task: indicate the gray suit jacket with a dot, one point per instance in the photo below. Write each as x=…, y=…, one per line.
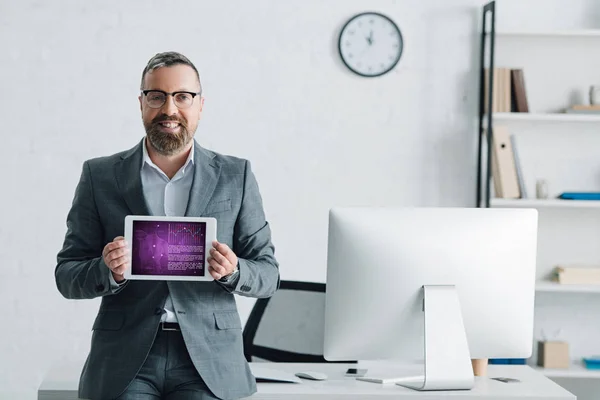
x=110, y=188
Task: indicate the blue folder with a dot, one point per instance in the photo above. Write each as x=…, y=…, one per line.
x=580, y=196
x=520, y=361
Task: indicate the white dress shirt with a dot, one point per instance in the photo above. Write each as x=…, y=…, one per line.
x=168, y=197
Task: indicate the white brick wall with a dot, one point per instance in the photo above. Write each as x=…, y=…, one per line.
x=276, y=92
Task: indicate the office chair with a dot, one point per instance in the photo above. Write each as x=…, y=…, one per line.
x=289, y=326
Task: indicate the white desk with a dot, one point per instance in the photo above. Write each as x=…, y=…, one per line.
x=61, y=383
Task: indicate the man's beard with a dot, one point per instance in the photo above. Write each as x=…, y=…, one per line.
x=166, y=143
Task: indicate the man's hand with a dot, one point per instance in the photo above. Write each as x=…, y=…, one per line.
x=116, y=258
x=222, y=260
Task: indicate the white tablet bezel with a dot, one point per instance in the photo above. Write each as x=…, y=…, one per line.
x=211, y=235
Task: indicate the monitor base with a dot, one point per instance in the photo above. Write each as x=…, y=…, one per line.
x=447, y=358
x=410, y=380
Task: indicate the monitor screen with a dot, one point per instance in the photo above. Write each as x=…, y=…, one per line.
x=380, y=259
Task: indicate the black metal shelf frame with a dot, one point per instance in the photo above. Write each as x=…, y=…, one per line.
x=483, y=199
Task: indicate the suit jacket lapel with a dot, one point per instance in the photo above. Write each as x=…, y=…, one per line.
x=129, y=180
x=206, y=176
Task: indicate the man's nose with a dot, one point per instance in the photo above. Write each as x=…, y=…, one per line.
x=169, y=107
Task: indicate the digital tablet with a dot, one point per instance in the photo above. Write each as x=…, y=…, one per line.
x=169, y=248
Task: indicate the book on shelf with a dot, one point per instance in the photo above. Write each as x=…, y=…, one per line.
x=506, y=172
x=575, y=274
x=518, y=168
x=509, y=94
x=593, y=109
x=518, y=94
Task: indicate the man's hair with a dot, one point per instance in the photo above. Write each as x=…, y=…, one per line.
x=168, y=59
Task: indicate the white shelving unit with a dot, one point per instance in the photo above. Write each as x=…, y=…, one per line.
x=576, y=370
x=544, y=117
x=550, y=34
x=564, y=149
x=554, y=287
x=546, y=203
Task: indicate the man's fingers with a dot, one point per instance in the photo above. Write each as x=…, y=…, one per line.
x=117, y=245
x=226, y=252
x=220, y=258
x=218, y=268
x=214, y=273
x=116, y=255
x=114, y=264
x=114, y=246
x=121, y=269
x=221, y=248
x=113, y=255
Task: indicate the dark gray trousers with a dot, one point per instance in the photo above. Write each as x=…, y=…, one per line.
x=168, y=373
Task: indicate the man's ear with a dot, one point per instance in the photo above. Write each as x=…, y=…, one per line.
x=201, y=107
x=140, y=99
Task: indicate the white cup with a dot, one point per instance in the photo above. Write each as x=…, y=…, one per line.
x=541, y=189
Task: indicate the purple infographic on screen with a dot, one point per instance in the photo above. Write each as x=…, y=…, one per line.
x=168, y=248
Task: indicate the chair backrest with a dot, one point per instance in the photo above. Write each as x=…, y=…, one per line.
x=289, y=326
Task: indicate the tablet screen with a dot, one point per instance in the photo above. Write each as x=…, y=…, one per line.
x=168, y=248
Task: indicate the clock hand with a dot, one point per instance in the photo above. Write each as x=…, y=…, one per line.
x=370, y=38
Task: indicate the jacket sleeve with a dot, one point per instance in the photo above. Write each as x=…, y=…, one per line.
x=259, y=270
x=80, y=272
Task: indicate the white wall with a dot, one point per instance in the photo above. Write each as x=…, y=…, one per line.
x=276, y=93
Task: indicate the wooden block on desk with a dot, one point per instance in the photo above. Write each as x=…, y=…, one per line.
x=553, y=354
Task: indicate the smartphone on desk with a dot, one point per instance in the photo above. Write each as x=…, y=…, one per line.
x=356, y=372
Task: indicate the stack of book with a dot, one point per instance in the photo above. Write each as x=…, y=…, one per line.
x=577, y=274
x=508, y=93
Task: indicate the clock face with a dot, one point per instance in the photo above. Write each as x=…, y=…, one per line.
x=370, y=44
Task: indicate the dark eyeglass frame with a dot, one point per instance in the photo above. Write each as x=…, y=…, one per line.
x=172, y=94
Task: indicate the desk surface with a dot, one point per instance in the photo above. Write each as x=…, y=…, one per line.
x=61, y=383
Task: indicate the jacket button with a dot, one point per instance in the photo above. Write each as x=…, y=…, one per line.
x=100, y=288
x=158, y=311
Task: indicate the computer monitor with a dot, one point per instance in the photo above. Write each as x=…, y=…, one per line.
x=436, y=285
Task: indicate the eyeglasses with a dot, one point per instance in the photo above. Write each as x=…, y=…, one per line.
x=157, y=98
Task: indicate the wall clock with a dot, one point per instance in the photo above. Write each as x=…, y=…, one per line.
x=370, y=44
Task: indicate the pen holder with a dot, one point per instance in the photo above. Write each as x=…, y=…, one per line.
x=553, y=354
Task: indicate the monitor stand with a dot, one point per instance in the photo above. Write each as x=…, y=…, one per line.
x=447, y=358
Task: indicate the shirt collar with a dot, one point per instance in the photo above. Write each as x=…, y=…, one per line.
x=147, y=160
